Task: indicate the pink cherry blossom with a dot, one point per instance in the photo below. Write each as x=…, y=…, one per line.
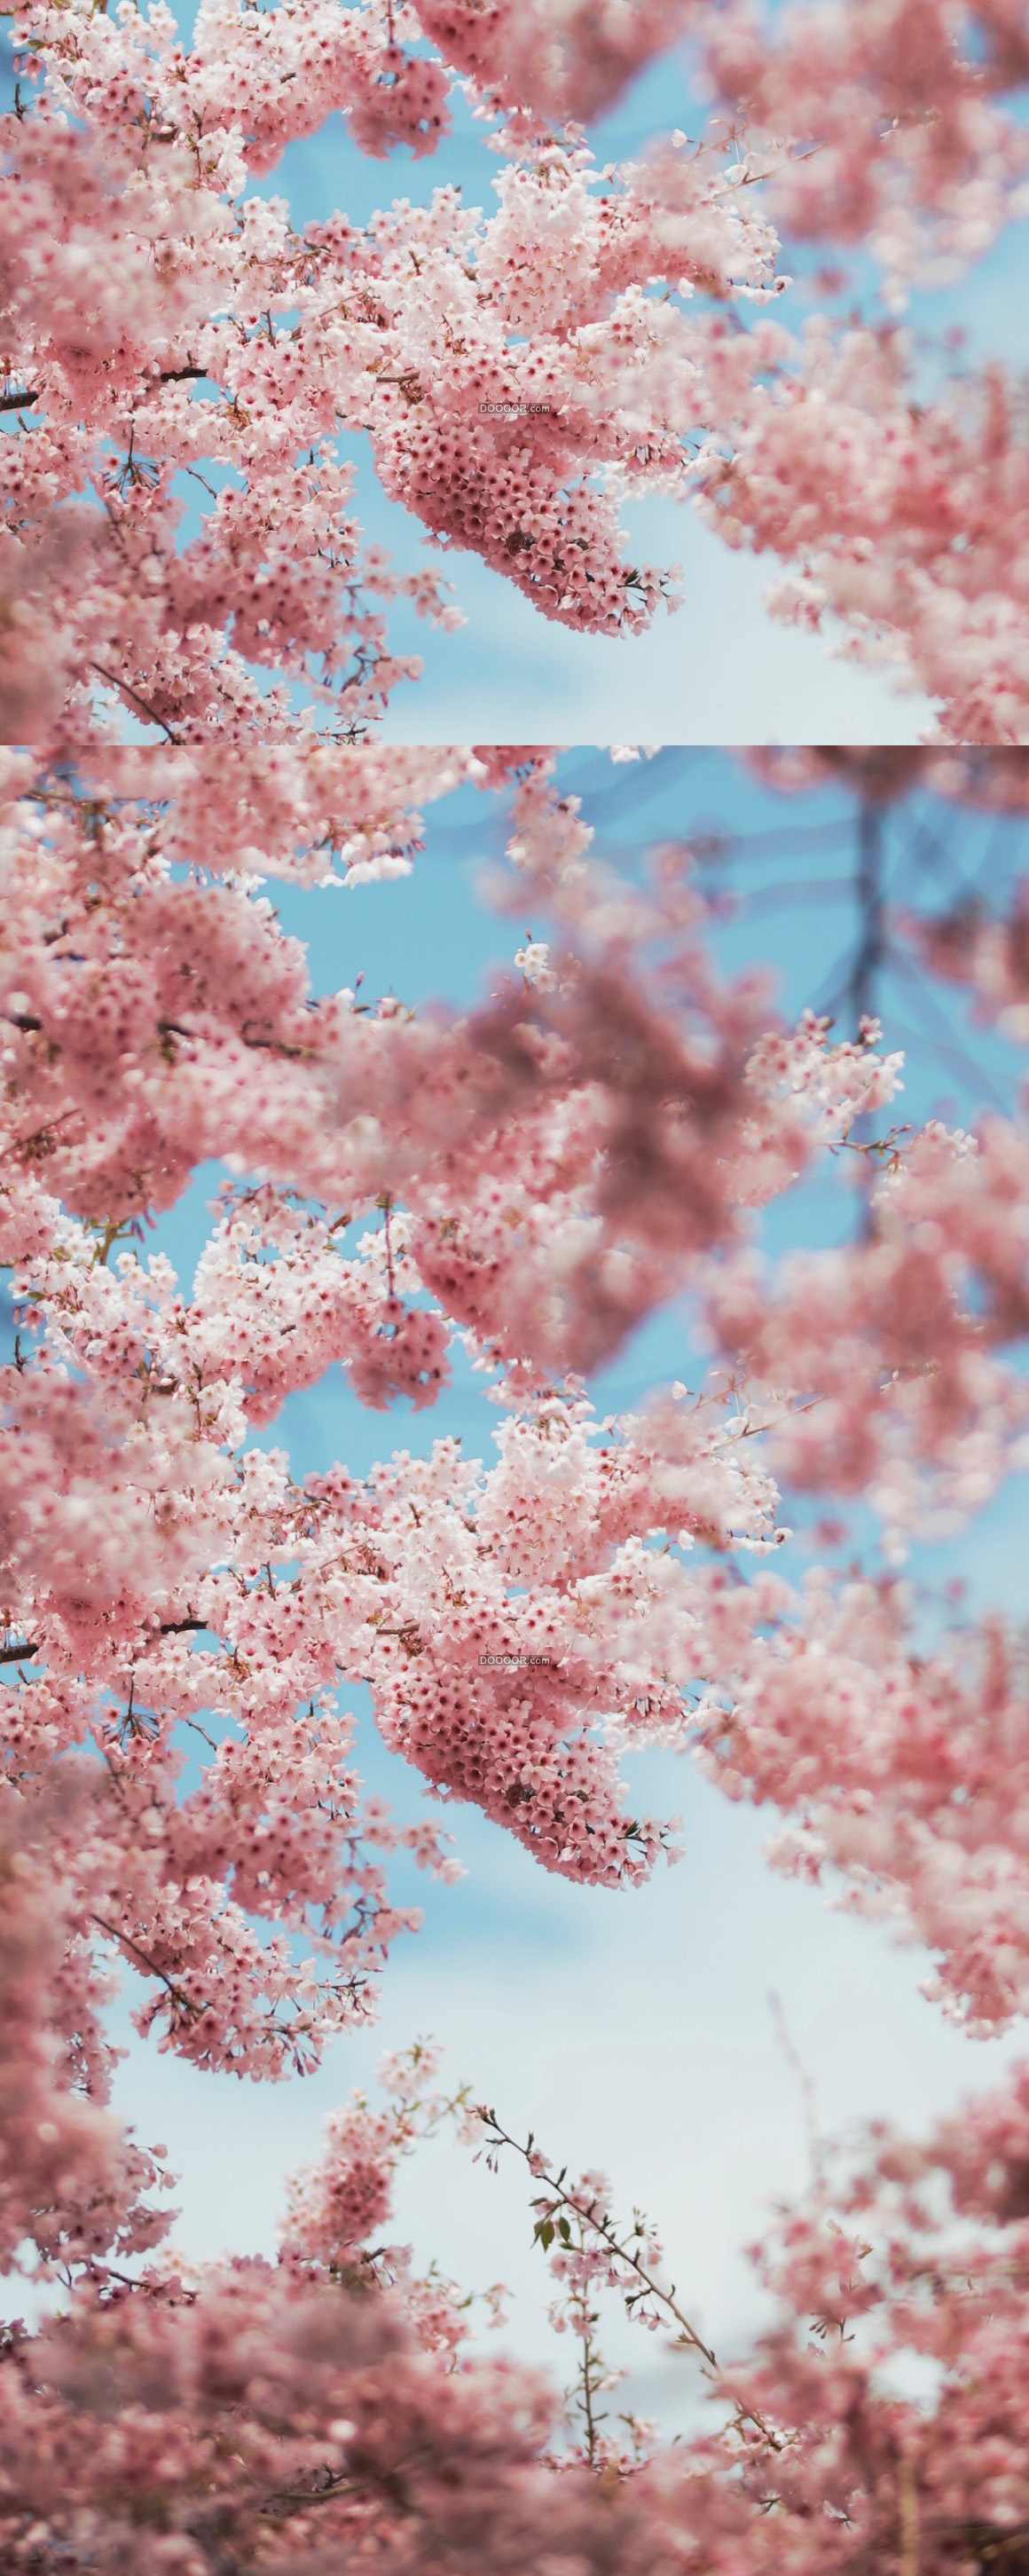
x=520, y=369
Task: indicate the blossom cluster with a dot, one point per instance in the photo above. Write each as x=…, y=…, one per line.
x=545, y=1169
x=179, y=541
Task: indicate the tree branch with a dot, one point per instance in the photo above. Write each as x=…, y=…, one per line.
x=128, y=691
x=868, y=888
x=185, y=2002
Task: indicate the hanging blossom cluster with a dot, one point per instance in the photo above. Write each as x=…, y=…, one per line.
x=178, y=539
x=484, y=355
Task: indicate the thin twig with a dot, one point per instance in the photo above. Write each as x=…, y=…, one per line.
x=603, y=2228
x=797, y=2067
x=868, y=889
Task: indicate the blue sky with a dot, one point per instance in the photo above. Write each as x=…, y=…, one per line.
x=719, y=670
x=631, y=2031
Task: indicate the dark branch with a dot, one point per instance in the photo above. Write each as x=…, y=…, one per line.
x=277, y=1046
x=185, y=2002
x=869, y=957
x=14, y=402
x=14, y=1654
x=128, y=692
x=869, y=891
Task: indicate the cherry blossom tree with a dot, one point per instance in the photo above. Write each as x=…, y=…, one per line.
x=533, y=1177
x=519, y=372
